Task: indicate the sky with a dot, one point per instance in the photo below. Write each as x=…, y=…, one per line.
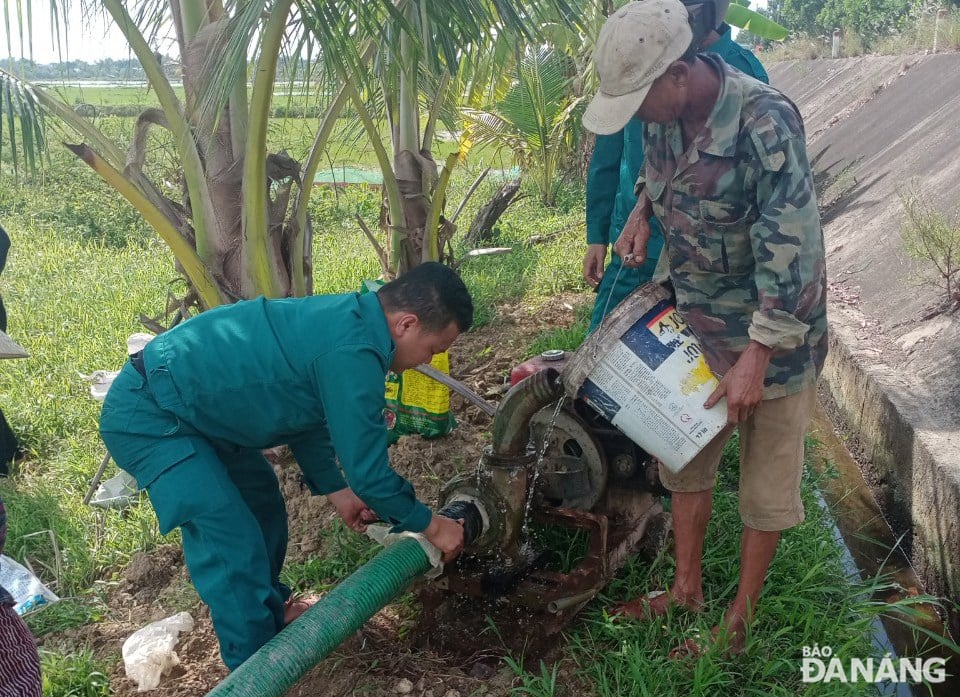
x=89, y=39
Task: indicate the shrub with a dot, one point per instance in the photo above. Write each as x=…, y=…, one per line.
x=934, y=236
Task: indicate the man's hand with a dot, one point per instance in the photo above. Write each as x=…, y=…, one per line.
x=593, y=263
x=635, y=235
x=446, y=535
x=743, y=383
x=355, y=513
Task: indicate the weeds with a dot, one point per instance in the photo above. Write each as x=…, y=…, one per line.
x=921, y=35
x=930, y=235
x=76, y=675
x=543, y=684
x=69, y=613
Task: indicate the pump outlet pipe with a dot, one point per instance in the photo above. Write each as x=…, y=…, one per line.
x=283, y=660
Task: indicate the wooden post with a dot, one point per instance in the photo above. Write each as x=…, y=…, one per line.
x=835, y=49
x=941, y=13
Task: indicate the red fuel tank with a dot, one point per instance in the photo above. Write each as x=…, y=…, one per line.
x=554, y=358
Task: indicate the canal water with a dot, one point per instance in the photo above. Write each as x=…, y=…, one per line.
x=873, y=551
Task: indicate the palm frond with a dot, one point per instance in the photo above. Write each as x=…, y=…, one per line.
x=754, y=22
x=22, y=115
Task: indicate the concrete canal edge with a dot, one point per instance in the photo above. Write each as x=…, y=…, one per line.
x=878, y=126
x=912, y=468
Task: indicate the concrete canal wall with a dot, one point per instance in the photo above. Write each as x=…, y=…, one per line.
x=877, y=126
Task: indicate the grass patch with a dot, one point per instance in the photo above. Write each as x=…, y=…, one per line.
x=342, y=552
x=565, y=338
x=69, y=613
x=74, y=675
x=808, y=599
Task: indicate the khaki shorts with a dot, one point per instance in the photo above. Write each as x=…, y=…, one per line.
x=771, y=462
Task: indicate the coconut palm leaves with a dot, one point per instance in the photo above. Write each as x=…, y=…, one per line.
x=21, y=123
x=243, y=212
x=534, y=118
x=740, y=15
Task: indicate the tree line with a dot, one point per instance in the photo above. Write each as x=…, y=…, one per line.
x=871, y=19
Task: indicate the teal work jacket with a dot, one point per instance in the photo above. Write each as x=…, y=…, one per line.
x=617, y=159
x=308, y=372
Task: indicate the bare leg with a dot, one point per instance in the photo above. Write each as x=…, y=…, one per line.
x=691, y=513
x=757, y=548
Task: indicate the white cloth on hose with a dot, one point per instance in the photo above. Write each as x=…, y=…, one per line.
x=382, y=535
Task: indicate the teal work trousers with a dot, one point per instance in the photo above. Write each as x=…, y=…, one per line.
x=610, y=294
x=226, y=502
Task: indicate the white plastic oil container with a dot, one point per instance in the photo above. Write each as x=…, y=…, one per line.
x=644, y=372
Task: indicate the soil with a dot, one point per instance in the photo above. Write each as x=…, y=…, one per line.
x=385, y=657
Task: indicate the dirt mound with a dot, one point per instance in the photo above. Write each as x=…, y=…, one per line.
x=147, y=574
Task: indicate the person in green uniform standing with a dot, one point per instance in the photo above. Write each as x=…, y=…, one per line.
x=189, y=416
x=616, y=162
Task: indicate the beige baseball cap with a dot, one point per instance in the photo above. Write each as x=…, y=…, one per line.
x=637, y=44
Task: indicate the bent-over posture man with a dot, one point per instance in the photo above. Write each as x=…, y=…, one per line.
x=189, y=416
x=727, y=175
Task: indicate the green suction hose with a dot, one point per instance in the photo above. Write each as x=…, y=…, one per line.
x=283, y=660
x=305, y=642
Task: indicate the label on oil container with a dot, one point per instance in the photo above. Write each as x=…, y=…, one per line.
x=652, y=385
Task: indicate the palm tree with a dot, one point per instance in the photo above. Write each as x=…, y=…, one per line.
x=536, y=117
x=239, y=226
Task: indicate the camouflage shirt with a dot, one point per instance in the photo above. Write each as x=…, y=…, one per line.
x=743, y=244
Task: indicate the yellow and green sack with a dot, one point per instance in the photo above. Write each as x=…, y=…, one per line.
x=416, y=403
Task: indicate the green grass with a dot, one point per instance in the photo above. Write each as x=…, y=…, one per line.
x=74, y=675
x=808, y=599
x=69, y=613
x=565, y=338
x=342, y=552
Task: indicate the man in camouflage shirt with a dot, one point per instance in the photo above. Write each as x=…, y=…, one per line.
x=727, y=175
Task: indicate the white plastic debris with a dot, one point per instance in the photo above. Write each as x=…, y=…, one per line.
x=382, y=535
x=101, y=380
x=136, y=342
x=117, y=492
x=27, y=590
x=148, y=653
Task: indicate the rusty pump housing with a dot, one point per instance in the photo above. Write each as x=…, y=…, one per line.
x=553, y=462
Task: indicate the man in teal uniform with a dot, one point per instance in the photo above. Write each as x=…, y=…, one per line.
x=189, y=416
x=615, y=164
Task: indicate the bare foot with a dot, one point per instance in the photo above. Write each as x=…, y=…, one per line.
x=656, y=604
x=728, y=639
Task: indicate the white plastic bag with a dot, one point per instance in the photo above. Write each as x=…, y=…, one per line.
x=117, y=492
x=27, y=590
x=101, y=380
x=148, y=653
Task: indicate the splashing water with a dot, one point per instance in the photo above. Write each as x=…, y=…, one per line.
x=537, y=465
